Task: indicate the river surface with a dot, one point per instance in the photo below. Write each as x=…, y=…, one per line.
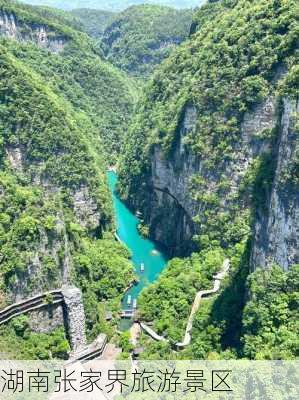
x=143, y=251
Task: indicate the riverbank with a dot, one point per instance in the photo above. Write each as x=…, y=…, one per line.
x=148, y=259
x=112, y=168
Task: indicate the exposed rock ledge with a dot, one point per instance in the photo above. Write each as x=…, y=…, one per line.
x=42, y=35
x=277, y=226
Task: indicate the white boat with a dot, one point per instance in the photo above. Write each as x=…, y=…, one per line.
x=155, y=253
x=142, y=267
x=135, y=303
x=129, y=300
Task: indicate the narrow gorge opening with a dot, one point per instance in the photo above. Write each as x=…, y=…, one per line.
x=148, y=258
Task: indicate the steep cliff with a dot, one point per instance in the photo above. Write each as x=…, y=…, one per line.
x=169, y=181
x=211, y=124
x=276, y=229
x=55, y=205
x=211, y=162
x=35, y=172
x=18, y=28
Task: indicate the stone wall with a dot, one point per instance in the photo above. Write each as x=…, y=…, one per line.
x=75, y=317
x=65, y=310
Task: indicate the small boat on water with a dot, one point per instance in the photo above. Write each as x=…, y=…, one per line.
x=155, y=252
x=129, y=300
x=142, y=267
x=135, y=303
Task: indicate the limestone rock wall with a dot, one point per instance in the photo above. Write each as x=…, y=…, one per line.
x=171, y=177
x=43, y=36
x=85, y=208
x=54, y=246
x=170, y=181
x=276, y=236
x=169, y=207
x=8, y=25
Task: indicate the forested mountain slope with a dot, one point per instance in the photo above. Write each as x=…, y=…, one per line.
x=112, y=5
x=58, y=102
x=86, y=80
x=210, y=160
x=94, y=22
x=140, y=37
x=212, y=163
x=210, y=120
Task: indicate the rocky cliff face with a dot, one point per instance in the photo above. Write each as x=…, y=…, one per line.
x=48, y=264
x=43, y=36
x=54, y=247
x=171, y=178
x=210, y=129
x=85, y=208
x=41, y=211
x=277, y=227
x=170, y=190
x=170, y=185
x=46, y=320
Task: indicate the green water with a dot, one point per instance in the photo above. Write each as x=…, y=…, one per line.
x=143, y=251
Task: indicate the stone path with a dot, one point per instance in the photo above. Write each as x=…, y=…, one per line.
x=202, y=293
x=135, y=333
x=152, y=333
x=111, y=352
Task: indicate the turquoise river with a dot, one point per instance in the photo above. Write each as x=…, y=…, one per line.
x=143, y=251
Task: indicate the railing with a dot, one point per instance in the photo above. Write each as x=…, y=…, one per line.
x=90, y=352
x=117, y=237
x=127, y=313
x=43, y=300
x=202, y=293
x=34, y=303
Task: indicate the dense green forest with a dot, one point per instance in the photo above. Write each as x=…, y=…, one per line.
x=108, y=97
x=167, y=302
x=19, y=342
x=72, y=103
x=112, y=5
x=56, y=107
x=94, y=22
x=139, y=38
x=226, y=67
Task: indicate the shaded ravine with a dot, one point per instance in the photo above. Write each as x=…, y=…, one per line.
x=143, y=251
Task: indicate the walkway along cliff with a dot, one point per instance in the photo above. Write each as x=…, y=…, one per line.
x=202, y=293
x=70, y=300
